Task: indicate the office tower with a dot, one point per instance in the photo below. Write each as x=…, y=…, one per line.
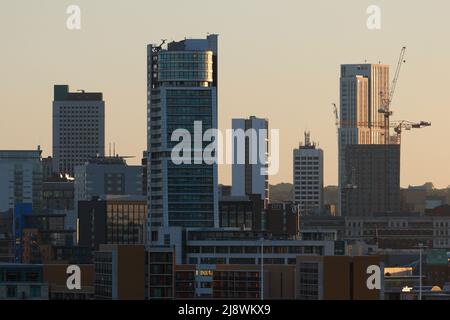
x=249, y=170
x=107, y=176
x=308, y=177
x=364, y=89
x=182, y=89
x=372, y=183
x=112, y=220
x=58, y=197
x=78, y=128
x=20, y=179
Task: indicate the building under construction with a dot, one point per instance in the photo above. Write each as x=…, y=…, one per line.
x=372, y=179
x=369, y=156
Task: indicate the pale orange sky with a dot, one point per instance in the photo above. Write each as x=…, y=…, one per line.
x=277, y=59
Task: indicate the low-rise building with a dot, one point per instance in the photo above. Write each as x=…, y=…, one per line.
x=283, y=220
x=243, y=212
x=119, y=272
x=336, y=278
x=400, y=230
x=234, y=246
x=233, y=281
x=55, y=275
x=22, y=282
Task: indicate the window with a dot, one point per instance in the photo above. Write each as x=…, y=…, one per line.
x=35, y=291
x=11, y=291
x=167, y=239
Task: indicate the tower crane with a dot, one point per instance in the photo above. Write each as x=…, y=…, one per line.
x=336, y=116
x=401, y=125
x=385, y=109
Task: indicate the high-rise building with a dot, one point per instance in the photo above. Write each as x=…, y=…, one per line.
x=144, y=163
x=308, y=177
x=78, y=128
x=20, y=178
x=249, y=170
x=182, y=90
x=372, y=183
x=364, y=89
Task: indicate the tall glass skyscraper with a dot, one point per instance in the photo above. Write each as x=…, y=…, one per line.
x=250, y=177
x=182, y=89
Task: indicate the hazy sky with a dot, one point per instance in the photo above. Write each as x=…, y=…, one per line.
x=277, y=59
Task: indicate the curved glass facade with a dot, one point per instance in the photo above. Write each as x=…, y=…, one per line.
x=182, y=90
x=185, y=66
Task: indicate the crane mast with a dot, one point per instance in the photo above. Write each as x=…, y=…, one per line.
x=385, y=110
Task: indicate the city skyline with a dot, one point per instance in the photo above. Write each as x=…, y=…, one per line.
x=242, y=93
x=224, y=152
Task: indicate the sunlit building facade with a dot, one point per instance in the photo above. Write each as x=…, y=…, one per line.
x=182, y=93
x=364, y=89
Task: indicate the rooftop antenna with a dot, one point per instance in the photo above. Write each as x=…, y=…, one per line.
x=307, y=138
x=163, y=41
x=110, y=149
x=114, y=150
